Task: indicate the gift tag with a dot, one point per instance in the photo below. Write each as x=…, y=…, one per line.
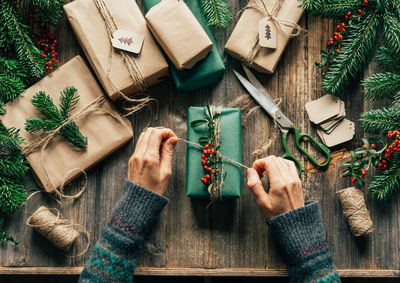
x=342, y=133
x=267, y=33
x=324, y=108
x=128, y=41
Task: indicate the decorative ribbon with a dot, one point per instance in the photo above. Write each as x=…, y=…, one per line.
x=133, y=68
x=260, y=6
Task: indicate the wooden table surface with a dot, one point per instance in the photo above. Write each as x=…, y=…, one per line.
x=231, y=238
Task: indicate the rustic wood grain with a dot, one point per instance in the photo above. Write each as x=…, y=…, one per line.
x=231, y=238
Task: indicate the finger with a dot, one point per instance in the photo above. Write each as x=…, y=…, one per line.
x=255, y=185
x=167, y=151
x=142, y=149
x=139, y=141
x=156, y=138
x=259, y=166
x=292, y=168
x=273, y=170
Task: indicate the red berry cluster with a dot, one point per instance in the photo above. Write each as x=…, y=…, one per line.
x=208, y=154
x=340, y=29
x=391, y=149
x=47, y=41
x=363, y=172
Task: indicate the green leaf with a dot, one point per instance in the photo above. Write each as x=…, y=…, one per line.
x=216, y=116
x=197, y=123
x=209, y=188
x=203, y=141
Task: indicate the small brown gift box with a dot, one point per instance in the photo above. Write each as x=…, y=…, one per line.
x=105, y=129
x=245, y=34
x=179, y=33
x=90, y=29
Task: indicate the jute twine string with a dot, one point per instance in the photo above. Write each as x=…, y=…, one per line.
x=60, y=233
x=355, y=211
x=260, y=6
x=218, y=183
x=133, y=68
x=42, y=143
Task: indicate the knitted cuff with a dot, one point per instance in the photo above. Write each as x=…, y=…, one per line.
x=299, y=230
x=138, y=208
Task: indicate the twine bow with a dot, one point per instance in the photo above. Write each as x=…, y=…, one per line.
x=133, y=68
x=259, y=5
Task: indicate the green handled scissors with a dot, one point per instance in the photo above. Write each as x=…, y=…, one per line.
x=260, y=94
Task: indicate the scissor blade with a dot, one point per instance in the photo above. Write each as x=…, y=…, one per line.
x=266, y=102
x=255, y=82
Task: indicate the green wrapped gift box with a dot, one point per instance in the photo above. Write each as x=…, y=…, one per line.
x=230, y=146
x=204, y=72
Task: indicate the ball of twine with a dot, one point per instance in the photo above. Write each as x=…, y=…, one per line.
x=355, y=211
x=60, y=233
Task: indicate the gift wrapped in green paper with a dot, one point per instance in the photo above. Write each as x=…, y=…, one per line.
x=204, y=72
x=209, y=173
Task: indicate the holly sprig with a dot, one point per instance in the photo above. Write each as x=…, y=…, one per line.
x=361, y=161
x=211, y=160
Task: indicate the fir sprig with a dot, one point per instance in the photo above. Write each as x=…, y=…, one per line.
x=384, y=185
x=217, y=12
x=50, y=11
x=56, y=117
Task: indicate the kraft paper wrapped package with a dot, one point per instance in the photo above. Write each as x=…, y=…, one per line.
x=105, y=129
x=244, y=38
x=230, y=146
x=179, y=33
x=90, y=29
x=204, y=72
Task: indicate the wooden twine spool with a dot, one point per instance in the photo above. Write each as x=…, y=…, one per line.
x=60, y=233
x=355, y=211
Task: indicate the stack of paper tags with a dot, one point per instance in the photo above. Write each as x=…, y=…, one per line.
x=328, y=114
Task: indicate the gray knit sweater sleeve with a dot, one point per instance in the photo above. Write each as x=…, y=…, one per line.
x=301, y=236
x=114, y=256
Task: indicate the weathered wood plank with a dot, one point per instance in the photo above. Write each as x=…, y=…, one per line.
x=231, y=238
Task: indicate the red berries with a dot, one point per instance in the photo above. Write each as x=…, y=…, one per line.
x=365, y=3
x=364, y=146
x=208, y=159
x=359, y=11
x=353, y=179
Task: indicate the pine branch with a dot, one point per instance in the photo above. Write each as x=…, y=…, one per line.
x=356, y=53
x=12, y=195
x=17, y=35
x=50, y=11
x=12, y=79
x=68, y=101
x=381, y=85
x=13, y=166
x=389, y=59
x=330, y=8
x=56, y=117
x=385, y=185
x=9, y=138
x=4, y=236
x=217, y=12
x=391, y=32
x=380, y=121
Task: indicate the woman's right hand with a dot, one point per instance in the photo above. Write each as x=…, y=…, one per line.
x=285, y=191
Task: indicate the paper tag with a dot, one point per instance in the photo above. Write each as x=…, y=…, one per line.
x=342, y=133
x=267, y=33
x=128, y=41
x=324, y=108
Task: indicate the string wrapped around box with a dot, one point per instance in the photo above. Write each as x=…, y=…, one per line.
x=355, y=211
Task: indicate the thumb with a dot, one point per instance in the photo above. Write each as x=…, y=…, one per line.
x=167, y=151
x=255, y=185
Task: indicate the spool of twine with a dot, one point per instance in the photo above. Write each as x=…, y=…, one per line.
x=60, y=233
x=355, y=211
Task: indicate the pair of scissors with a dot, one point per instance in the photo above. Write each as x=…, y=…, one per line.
x=285, y=125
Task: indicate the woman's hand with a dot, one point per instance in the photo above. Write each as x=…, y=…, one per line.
x=150, y=164
x=285, y=191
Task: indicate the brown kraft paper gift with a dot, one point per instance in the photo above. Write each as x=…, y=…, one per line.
x=90, y=29
x=245, y=34
x=179, y=33
x=106, y=132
